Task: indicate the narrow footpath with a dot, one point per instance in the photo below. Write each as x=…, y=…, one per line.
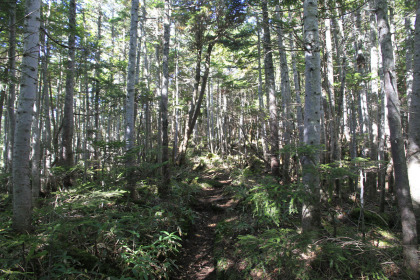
x=197, y=259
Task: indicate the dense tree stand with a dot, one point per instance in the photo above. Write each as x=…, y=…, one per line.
x=169, y=139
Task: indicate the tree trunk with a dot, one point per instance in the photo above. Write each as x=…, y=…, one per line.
x=96, y=97
x=129, y=103
x=67, y=156
x=12, y=90
x=36, y=151
x=176, y=100
x=261, y=114
x=2, y=98
x=409, y=42
x=296, y=82
x=270, y=88
x=22, y=206
x=286, y=100
x=374, y=115
x=341, y=113
x=311, y=218
x=164, y=189
x=333, y=131
x=413, y=153
x=194, y=115
x=397, y=142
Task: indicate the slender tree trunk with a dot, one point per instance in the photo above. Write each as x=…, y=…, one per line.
x=36, y=151
x=409, y=42
x=397, y=142
x=296, y=82
x=335, y=119
x=194, y=115
x=67, y=156
x=286, y=100
x=311, y=218
x=176, y=111
x=184, y=143
x=270, y=88
x=96, y=98
x=374, y=100
x=208, y=115
x=12, y=89
x=413, y=153
x=211, y=108
x=129, y=103
x=22, y=206
x=261, y=115
x=46, y=134
x=164, y=190
x=2, y=98
x=158, y=97
x=341, y=113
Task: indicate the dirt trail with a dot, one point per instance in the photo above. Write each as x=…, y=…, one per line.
x=197, y=259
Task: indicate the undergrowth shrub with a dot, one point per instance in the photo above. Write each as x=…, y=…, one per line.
x=90, y=232
x=285, y=253
x=267, y=242
x=273, y=202
x=273, y=251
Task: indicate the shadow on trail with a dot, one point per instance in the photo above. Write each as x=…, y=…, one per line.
x=196, y=259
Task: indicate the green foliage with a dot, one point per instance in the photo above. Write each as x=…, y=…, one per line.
x=145, y=262
x=272, y=248
x=344, y=258
x=274, y=202
x=89, y=232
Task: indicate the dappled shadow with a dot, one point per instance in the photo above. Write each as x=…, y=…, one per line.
x=196, y=260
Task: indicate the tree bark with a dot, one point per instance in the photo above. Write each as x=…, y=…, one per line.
x=270, y=88
x=36, y=151
x=286, y=100
x=96, y=98
x=413, y=153
x=408, y=220
x=333, y=131
x=261, y=114
x=22, y=206
x=12, y=90
x=296, y=82
x=129, y=102
x=67, y=156
x=164, y=189
x=375, y=104
x=311, y=218
x=176, y=100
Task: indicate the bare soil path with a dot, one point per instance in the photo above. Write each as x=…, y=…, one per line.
x=196, y=259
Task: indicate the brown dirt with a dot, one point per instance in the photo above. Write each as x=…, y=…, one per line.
x=196, y=260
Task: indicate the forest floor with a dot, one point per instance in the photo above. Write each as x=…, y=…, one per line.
x=197, y=260
x=224, y=220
